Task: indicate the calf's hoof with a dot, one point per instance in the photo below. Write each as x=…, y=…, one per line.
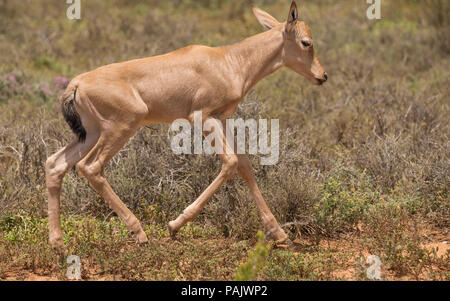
x=141, y=237
x=172, y=229
x=284, y=243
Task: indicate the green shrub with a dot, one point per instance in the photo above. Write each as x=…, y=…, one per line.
x=257, y=259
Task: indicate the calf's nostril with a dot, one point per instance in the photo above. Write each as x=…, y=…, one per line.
x=325, y=76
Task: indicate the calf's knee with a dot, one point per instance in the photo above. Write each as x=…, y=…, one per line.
x=54, y=173
x=230, y=166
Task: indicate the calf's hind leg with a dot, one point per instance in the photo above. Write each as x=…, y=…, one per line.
x=56, y=167
x=92, y=165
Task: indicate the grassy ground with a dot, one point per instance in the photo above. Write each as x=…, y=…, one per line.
x=364, y=160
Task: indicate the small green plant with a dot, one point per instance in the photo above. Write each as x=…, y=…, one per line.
x=257, y=259
x=367, y=164
x=341, y=207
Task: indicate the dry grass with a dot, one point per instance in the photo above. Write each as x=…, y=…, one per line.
x=365, y=156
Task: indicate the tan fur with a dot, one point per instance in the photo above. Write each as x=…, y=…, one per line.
x=113, y=101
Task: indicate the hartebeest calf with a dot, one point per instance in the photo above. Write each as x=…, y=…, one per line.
x=106, y=106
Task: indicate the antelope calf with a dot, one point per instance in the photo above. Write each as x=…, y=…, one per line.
x=106, y=106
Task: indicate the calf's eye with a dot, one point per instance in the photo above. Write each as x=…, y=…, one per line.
x=306, y=43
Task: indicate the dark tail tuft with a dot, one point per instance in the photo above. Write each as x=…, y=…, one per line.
x=72, y=117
